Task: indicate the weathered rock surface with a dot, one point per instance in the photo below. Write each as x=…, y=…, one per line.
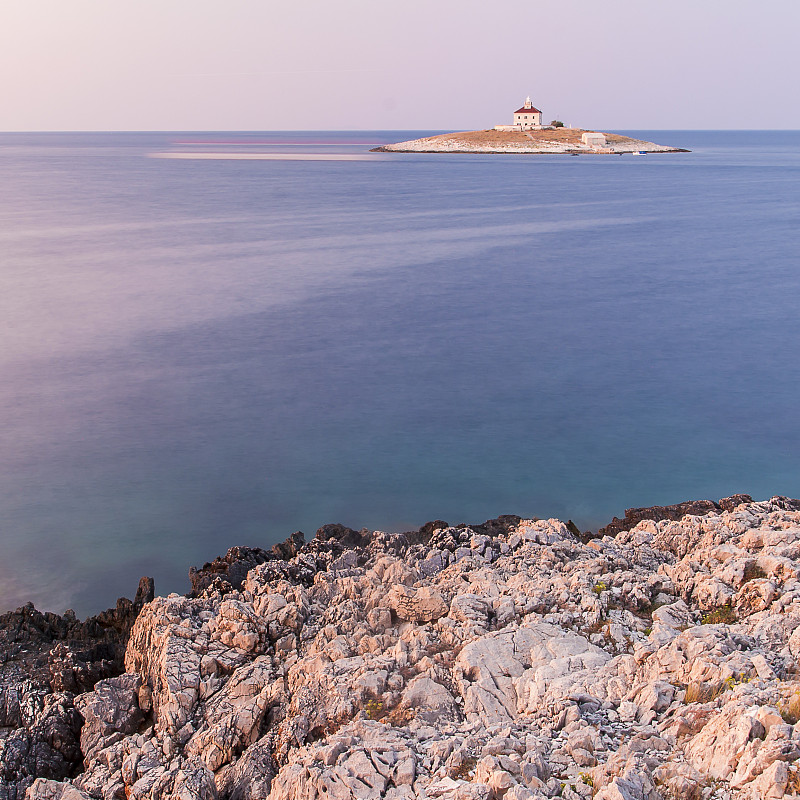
x=46, y=660
x=63, y=652
x=511, y=660
x=697, y=508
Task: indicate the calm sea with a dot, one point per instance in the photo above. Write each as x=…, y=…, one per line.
x=200, y=352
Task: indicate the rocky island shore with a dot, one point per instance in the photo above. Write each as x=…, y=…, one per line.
x=546, y=140
x=518, y=659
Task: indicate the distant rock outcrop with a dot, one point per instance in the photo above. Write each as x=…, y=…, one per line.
x=551, y=140
x=698, y=508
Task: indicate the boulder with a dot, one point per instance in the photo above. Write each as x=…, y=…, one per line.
x=716, y=750
x=430, y=700
x=508, y=672
x=417, y=605
x=110, y=712
x=44, y=789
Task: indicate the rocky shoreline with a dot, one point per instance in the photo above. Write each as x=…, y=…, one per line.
x=564, y=141
x=518, y=659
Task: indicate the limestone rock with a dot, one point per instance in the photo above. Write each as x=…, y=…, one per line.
x=716, y=750
x=232, y=716
x=772, y=783
x=674, y=615
x=110, y=711
x=510, y=672
x=514, y=659
x=43, y=789
x=431, y=701
x=417, y=605
x=754, y=596
x=45, y=745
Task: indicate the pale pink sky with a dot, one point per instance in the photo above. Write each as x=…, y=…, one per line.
x=408, y=64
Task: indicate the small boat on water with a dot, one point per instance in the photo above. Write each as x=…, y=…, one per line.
x=640, y=152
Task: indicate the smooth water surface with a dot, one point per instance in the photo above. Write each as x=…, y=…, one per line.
x=209, y=351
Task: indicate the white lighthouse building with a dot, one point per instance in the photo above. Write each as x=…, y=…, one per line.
x=528, y=116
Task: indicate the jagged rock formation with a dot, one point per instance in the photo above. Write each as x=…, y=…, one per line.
x=229, y=571
x=62, y=651
x=697, y=508
x=46, y=660
x=515, y=662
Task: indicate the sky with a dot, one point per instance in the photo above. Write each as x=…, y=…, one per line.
x=407, y=65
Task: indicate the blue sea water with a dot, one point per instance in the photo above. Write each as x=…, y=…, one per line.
x=200, y=352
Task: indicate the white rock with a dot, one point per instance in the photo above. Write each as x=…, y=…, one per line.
x=417, y=605
x=43, y=789
x=716, y=750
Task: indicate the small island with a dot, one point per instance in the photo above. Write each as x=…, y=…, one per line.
x=527, y=135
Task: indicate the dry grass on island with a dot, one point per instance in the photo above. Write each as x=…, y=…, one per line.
x=545, y=140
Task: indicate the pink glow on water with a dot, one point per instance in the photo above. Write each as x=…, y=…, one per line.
x=273, y=142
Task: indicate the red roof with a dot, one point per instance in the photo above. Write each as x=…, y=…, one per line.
x=530, y=110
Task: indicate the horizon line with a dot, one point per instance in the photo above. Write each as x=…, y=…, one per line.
x=362, y=130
